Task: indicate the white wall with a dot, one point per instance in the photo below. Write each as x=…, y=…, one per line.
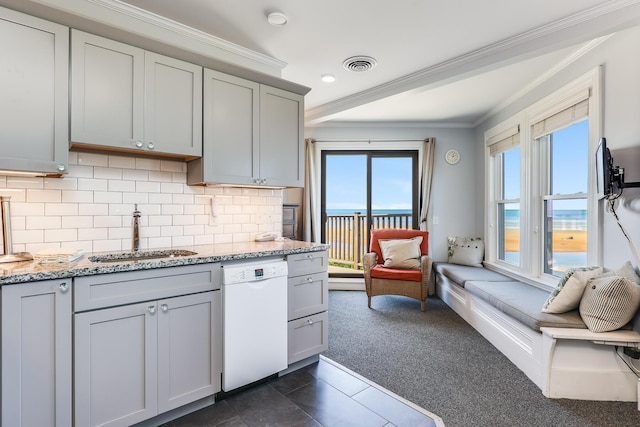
x=621, y=88
x=453, y=195
x=91, y=208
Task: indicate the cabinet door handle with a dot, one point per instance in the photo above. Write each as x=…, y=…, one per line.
x=150, y=145
x=164, y=308
x=64, y=287
x=309, y=279
x=310, y=257
x=138, y=144
x=61, y=167
x=151, y=309
x=310, y=321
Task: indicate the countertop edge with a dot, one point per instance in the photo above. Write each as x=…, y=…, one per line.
x=25, y=273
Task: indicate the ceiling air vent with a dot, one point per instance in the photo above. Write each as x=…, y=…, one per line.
x=359, y=63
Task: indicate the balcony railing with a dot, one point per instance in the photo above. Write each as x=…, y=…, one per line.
x=347, y=235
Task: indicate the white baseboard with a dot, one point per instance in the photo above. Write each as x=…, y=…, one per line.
x=346, y=284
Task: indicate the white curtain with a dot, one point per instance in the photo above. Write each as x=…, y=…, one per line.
x=311, y=229
x=426, y=178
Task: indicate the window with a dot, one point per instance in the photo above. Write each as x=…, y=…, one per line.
x=542, y=211
x=364, y=190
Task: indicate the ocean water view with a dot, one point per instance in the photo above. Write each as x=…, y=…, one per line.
x=364, y=211
x=570, y=219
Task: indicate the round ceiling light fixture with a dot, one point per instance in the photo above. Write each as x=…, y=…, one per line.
x=328, y=78
x=359, y=64
x=277, y=19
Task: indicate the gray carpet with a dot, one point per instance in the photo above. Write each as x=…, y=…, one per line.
x=439, y=362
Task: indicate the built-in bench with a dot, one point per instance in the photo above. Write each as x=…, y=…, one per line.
x=556, y=351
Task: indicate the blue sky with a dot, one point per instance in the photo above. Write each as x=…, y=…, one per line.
x=570, y=165
x=346, y=181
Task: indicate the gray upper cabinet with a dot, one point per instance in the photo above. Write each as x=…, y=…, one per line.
x=281, y=137
x=253, y=134
x=36, y=354
x=34, y=130
x=128, y=99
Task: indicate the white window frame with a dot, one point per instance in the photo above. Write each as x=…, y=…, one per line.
x=531, y=191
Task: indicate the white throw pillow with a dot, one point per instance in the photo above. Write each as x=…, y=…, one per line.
x=466, y=250
x=403, y=254
x=609, y=303
x=628, y=272
x=569, y=291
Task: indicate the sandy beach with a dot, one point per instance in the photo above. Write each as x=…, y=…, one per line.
x=563, y=240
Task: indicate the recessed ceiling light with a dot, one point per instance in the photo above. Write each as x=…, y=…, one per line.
x=328, y=78
x=277, y=19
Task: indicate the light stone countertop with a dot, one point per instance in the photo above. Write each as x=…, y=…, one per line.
x=31, y=271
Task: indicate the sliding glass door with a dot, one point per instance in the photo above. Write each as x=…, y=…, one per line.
x=364, y=190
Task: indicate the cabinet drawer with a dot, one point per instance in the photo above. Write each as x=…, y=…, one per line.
x=308, y=294
x=307, y=263
x=107, y=290
x=308, y=336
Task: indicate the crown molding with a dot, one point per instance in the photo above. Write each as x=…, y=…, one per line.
x=598, y=21
x=186, y=31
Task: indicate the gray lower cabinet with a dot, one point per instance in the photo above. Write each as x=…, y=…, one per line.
x=308, y=296
x=34, y=106
x=138, y=360
x=36, y=354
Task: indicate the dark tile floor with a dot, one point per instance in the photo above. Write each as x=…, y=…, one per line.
x=321, y=394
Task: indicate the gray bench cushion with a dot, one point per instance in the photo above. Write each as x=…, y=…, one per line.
x=463, y=273
x=524, y=303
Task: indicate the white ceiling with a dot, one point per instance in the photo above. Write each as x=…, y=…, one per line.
x=438, y=61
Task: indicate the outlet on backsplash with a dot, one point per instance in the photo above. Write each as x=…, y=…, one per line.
x=90, y=208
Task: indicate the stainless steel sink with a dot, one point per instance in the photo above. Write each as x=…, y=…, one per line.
x=141, y=255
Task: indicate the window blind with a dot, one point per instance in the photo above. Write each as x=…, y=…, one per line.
x=504, y=141
x=562, y=119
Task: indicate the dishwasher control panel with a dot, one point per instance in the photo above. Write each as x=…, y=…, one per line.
x=252, y=272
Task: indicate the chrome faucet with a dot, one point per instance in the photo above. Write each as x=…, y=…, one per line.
x=135, y=230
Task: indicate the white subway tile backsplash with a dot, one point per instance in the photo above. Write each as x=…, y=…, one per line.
x=62, y=235
x=93, y=233
x=62, y=209
x=45, y=196
x=77, y=222
x=171, y=187
x=24, y=182
x=107, y=197
x=182, y=241
x=147, y=164
x=121, y=186
x=26, y=209
x=43, y=222
x=107, y=173
x=76, y=196
x=79, y=171
x=91, y=207
x=91, y=184
x=173, y=166
x=107, y=245
x=66, y=183
x=148, y=187
x=92, y=159
x=135, y=175
x=123, y=162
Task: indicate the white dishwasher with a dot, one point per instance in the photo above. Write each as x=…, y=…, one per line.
x=254, y=307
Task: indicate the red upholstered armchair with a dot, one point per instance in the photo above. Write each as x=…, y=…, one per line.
x=380, y=280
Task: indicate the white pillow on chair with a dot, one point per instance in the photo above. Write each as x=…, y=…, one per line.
x=403, y=254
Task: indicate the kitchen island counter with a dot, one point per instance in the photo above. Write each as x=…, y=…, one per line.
x=32, y=271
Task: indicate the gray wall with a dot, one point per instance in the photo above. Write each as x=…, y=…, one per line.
x=453, y=195
x=621, y=88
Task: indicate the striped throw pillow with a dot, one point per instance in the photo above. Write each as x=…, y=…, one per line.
x=609, y=303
